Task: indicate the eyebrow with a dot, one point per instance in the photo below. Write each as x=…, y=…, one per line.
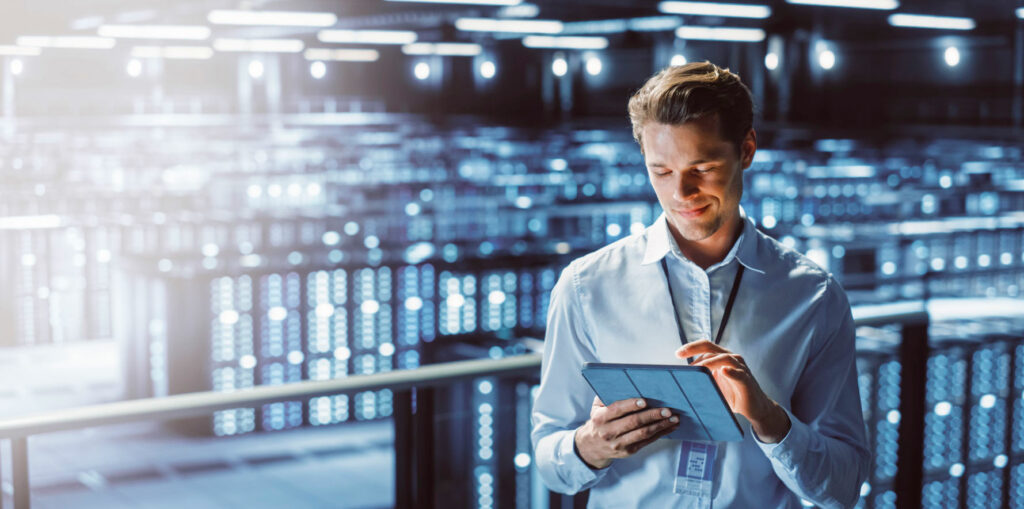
x=691, y=163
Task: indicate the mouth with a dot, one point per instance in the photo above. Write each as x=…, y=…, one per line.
x=691, y=213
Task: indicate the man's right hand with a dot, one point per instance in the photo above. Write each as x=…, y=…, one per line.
x=620, y=430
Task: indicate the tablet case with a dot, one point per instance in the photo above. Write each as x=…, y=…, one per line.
x=690, y=391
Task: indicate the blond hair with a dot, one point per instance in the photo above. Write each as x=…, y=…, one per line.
x=697, y=90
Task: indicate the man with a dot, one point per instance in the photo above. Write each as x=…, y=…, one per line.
x=785, y=362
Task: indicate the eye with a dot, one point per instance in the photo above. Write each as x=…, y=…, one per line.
x=706, y=170
x=661, y=172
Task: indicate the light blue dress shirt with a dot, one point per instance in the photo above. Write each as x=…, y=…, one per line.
x=791, y=322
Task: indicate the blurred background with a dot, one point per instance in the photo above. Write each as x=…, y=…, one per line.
x=215, y=195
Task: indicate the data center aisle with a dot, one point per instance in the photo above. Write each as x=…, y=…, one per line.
x=140, y=466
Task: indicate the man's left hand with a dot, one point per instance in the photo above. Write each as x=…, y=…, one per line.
x=745, y=397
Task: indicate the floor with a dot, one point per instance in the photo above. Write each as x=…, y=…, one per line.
x=145, y=466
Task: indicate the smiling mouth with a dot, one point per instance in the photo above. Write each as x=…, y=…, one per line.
x=693, y=212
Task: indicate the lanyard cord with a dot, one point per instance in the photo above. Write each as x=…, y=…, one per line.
x=728, y=303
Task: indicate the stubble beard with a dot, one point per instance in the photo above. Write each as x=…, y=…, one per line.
x=696, y=231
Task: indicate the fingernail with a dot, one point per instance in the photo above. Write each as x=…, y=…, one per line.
x=665, y=412
x=673, y=419
x=640, y=402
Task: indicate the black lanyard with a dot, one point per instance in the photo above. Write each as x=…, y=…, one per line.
x=728, y=303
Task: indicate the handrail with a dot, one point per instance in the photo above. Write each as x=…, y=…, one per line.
x=913, y=316
x=203, y=403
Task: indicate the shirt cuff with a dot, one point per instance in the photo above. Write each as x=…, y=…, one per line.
x=581, y=472
x=788, y=451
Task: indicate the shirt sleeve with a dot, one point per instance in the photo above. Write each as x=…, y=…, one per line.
x=824, y=458
x=564, y=398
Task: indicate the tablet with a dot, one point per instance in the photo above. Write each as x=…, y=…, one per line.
x=690, y=391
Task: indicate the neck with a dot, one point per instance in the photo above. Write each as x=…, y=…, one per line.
x=713, y=249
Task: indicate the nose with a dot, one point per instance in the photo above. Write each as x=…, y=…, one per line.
x=686, y=188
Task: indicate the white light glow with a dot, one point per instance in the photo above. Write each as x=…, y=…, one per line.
x=565, y=42
x=256, y=72
x=259, y=45
x=66, y=42
x=519, y=26
x=342, y=55
x=937, y=22
x=617, y=26
x=272, y=18
x=951, y=56
x=277, y=313
x=518, y=11
x=318, y=69
x=367, y=36
x=487, y=69
x=17, y=67
x=421, y=71
x=827, y=59
x=1020, y=13
x=29, y=222
x=455, y=300
x=987, y=401
x=720, y=34
x=181, y=32
x=173, y=52
x=716, y=9
x=559, y=67
x=228, y=317
x=677, y=60
x=22, y=51
x=134, y=68
x=456, y=49
x=413, y=303
x=522, y=460
x=943, y=408
x=464, y=2
x=886, y=5
x=369, y=307
x=593, y=66
x=771, y=61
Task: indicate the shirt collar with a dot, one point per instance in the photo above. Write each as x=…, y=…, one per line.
x=660, y=243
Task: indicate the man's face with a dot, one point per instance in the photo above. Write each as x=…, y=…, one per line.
x=697, y=175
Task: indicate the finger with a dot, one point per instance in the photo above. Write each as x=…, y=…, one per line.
x=699, y=347
x=636, y=446
x=630, y=442
x=597, y=403
x=620, y=408
x=637, y=420
x=717, y=362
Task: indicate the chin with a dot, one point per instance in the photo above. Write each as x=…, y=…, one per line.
x=697, y=230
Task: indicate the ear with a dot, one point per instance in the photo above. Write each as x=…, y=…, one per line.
x=748, y=148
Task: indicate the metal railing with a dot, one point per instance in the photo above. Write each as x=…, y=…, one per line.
x=18, y=430
x=413, y=409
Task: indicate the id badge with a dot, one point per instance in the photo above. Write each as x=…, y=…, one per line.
x=694, y=479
